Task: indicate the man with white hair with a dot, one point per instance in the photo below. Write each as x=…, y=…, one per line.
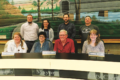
x=64, y=44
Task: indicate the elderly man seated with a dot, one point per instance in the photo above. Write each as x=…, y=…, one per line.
x=64, y=44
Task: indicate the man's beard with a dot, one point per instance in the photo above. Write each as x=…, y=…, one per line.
x=29, y=22
x=66, y=21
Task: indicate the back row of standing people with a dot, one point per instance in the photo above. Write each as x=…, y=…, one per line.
x=30, y=30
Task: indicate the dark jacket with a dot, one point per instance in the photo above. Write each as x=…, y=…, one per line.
x=70, y=28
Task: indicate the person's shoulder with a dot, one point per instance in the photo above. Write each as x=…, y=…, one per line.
x=61, y=24
x=86, y=42
x=37, y=42
x=35, y=24
x=10, y=42
x=101, y=42
x=51, y=29
x=82, y=26
x=70, y=40
x=24, y=23
x=71, y=23
x=40, y=29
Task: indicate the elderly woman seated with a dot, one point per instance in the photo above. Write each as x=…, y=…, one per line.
x=17, y=45
x=42, y=44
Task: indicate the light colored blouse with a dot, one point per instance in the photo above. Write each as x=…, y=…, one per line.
x=88, y=48
x=12, y=47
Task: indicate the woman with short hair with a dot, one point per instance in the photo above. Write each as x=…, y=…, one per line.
x=42, y=44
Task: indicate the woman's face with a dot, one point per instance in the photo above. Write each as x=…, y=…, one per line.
x=45, y=23
x=93, y=36
x=42, y=38
x=17, y=38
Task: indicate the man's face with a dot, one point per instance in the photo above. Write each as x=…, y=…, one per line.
x=66, y=18
x=63, y=36
x=29, y=18
x=88, y=20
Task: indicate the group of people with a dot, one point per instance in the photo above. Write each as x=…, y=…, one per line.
x=33, y=39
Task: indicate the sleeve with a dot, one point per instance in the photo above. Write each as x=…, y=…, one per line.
x=37, y=29
x=55, y=46
x=102, y=48
x=74, y=32
x=33, y=48
x=9, y=47
x=52, y=35
x=72, y=47
x=25, y=47
x=22, y=31
x=50, y=46
x=84, y=48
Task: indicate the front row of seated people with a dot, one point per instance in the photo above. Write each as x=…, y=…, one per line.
x=62, y=45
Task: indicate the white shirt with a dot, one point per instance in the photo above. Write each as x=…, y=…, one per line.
x=29, y=31
x=12, y=47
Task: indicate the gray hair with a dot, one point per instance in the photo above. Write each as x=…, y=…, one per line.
x=64, y=31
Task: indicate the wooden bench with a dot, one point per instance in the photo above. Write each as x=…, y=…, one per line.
x=79, y=41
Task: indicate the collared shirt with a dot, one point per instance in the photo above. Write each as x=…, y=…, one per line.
x=29, y=31
x=13, y=48
x=67, y=48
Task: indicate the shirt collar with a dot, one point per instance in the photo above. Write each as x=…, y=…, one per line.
x=66, y=24
x=29, y=24
x=67, y=41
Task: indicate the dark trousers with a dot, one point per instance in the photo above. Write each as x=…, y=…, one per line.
x=29, y=45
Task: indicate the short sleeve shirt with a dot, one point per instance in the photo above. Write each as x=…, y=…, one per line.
x=84, y=31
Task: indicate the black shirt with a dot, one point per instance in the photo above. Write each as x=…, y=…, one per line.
x=47, y=33
x=70, y=28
